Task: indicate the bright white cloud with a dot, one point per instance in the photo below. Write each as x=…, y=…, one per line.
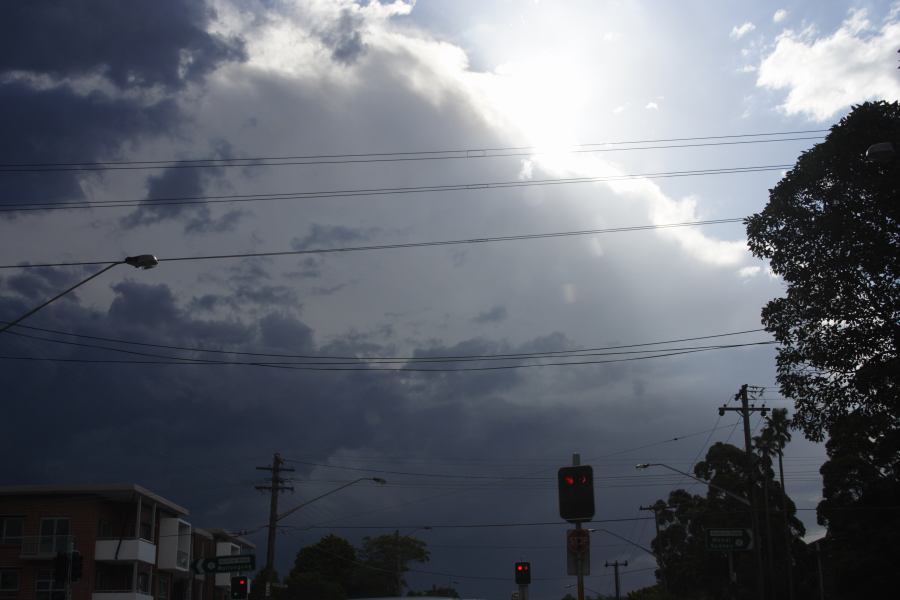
x=652, y=106
x=779, y=16
x=825, y=74
x=739, y=31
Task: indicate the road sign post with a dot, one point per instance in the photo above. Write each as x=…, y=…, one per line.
x=729, y=540
x=225, y=564
x=578, y=552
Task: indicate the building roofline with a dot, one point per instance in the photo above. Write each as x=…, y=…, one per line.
x=222, y=533
x=91, y=489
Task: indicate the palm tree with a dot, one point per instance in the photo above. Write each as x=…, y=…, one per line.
x=772, y=440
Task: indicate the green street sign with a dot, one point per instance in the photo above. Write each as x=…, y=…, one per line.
x=225, y=564
x=729, y=540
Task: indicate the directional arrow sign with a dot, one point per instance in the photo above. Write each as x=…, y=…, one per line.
x=727, y=540
x=225, y=564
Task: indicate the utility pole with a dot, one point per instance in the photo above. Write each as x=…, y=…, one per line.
x=659, y=559
x=615, y=565
x=745, y=410
x=276, y=487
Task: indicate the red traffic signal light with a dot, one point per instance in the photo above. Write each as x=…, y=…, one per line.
x=576, y=493
x=239, y=587
x=523, y=573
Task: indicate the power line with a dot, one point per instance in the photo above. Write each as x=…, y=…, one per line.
x=361, y=367
x=388, y=359
x=482, y=240
x=375, y=157
x=243, y=198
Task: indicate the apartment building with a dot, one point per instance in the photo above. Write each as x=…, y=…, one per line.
x=135, y=545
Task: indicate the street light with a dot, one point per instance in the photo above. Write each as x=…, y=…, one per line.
x=740, y=499
x=141, y=261
x=624, y=539
x=882, y=152
x=377, y=480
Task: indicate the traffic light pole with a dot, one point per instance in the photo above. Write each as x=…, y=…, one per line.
x=576, y=461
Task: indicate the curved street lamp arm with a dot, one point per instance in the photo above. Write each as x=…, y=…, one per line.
x=58, y=296
x=626, y=540
x=377, y=480
x=740, y=499
x=141, y=261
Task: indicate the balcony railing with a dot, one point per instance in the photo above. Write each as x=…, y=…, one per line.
x=183, y=559
x=45, y=546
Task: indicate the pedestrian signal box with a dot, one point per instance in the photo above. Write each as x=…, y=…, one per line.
x=576, y=493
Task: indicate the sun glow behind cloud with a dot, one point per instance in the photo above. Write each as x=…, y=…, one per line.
x=544, y=98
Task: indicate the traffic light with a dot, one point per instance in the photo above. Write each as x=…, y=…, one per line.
x=576, y=493
x=238, y=587
x=77, y=565
x=523, y=573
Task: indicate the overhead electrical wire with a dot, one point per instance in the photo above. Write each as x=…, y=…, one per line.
x=427, y=155
x=363, y=367
x=350, y=193
x=408, y=358
x=481, y=240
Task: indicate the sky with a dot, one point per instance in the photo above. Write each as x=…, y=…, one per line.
x=293, y=164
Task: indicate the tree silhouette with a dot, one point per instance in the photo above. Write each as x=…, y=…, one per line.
x=831, y=230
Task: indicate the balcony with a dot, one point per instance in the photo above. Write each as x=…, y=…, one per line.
x=44, y=547
x=174, y=545
x=125, y=550
x=123, y=595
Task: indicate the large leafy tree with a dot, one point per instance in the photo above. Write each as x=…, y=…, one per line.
x=687, y=568
x=386, y=559
x=861, y=494
x=831, y=230
x=326, y=570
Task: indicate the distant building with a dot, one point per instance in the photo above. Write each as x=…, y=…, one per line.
x=135, y=545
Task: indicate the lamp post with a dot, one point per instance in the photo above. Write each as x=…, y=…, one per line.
x=141, y=261
x=740, y=499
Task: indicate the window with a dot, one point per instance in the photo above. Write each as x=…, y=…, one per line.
x=9, y=583
x=11, y=530
x=54, y=535
x=45, y=588
x=162, y=587
x=144, y=583
x=146, y=531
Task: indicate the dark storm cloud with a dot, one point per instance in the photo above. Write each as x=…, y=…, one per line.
x=344, y=37
x=285, y=332
x=181, y=183
x=44, y=45
x=325, y=236
x=39, y=283
x=195, y=433
x=58, y=125
x=163, y=42
x=494, y=315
